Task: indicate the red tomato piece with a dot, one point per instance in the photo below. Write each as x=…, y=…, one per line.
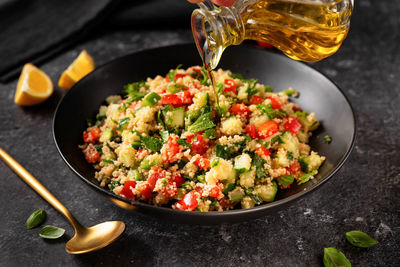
x=178, y=179
x=189, y=201
x=267, y=129
x=155, y=174
x=199, y=144
x=172, y=148
x=185, y=97
x=214, y=191
x=251, y=131
x=197, y=69
x=275, y=104
x=202, y=163
x=230, y=86
x=167, y=79
x=145, y=190
x=135, y=105
x=127, y=191
x=171, y=99
x=292, y=125
x=241, y=109
x=92, y=135
x=264, y=44
x=263, y=152
x=91, y=154
x=255, y=100
x=294, y=168
x=180, y=75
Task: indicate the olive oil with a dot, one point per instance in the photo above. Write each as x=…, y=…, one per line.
x=307, y=30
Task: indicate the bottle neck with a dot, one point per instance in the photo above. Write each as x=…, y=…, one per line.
x=215, y=28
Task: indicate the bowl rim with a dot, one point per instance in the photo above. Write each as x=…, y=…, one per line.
x=235, y=212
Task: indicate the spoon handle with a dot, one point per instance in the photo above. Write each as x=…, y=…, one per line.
x=39, y=188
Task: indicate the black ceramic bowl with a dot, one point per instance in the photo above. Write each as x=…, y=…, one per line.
x=317, y=94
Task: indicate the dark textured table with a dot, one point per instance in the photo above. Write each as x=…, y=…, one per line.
x=363, y=195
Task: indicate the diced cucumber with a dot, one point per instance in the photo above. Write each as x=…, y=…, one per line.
x=242, y=93
x=150, y=99
x=247, y=178
x=106, y=135
x=236, y=194
x=175, y=118
x=247, y=203
x=242, y=163
x=223, y=171
x=311, y=162
x=232, y=126
x=135, y=175
x=174, y=88
x=257, y=121
x=150, y=161
x=201, y=99
x=290, y=143
x=266, y=192
x=281, y=158
x=126, y=155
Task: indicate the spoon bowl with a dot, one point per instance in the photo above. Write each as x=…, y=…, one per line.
x=88, y=239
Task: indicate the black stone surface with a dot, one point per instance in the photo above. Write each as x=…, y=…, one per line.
x=363, y=195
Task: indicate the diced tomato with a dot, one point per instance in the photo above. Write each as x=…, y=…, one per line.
x=214, y=191
x=142, y=153
x=197, y=69
x=230, y=86
x=294, y=168
x=255, y=100
x=172, y=148
x=127, y=191
x=202, y=163
x=267, y=129
x=251, y=131
x=189, y=201
x=166, y=187
x=92, y=135
x=263, y=152
x=171, y=99
x=186, y=97
x=167, y=79
x=91, y=154
x=292, y=125
x=264, y=44
x=275, y=104
x=145, y=190
x=178, y=179
x=241, y=109
x=135, y=105
x=199, y=144
x=155, y=174
x=180, y=75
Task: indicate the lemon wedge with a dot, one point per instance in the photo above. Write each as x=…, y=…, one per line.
x=34, y=86
x=80, y=67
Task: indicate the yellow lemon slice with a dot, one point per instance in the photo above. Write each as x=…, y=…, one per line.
x=34, y=86
x=82, y=66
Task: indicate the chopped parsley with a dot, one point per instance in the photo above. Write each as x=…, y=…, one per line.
x=327, y=139
x=133, y=90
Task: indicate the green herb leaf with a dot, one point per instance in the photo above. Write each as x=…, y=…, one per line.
x=107, y=161
x=183, y=142
x=204, y=80
x=251, y=88
x=257, y=199
x=290, y=92
x=285, y=180
x=152, y=143
x=164, y=136
x=237, y=76
x=220, y=88
x=360, y=239
x=36, y=219
x=51, y=232
x=306, y=177
x=123, y=122
x=171, y=74
x=214, y=163
x=270, y=112
x=290, y=155
x=210, y=134
x=228, y=188
x=268, y=89
x=202, y=123
x=335, y=258
x=223, y=151
x=327, y=139
x=259, y=163
x=133, y=90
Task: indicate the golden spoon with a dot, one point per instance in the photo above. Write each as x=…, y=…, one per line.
x=86, y=239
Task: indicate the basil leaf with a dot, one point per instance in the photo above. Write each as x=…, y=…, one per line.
x=51, y=232
x=152, y=143
x=202, y=123
x=36, y=219
x=183, y=142
x=360, y=239
x=335, y=258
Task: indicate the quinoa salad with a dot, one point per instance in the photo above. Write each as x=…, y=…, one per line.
x=165, y=141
